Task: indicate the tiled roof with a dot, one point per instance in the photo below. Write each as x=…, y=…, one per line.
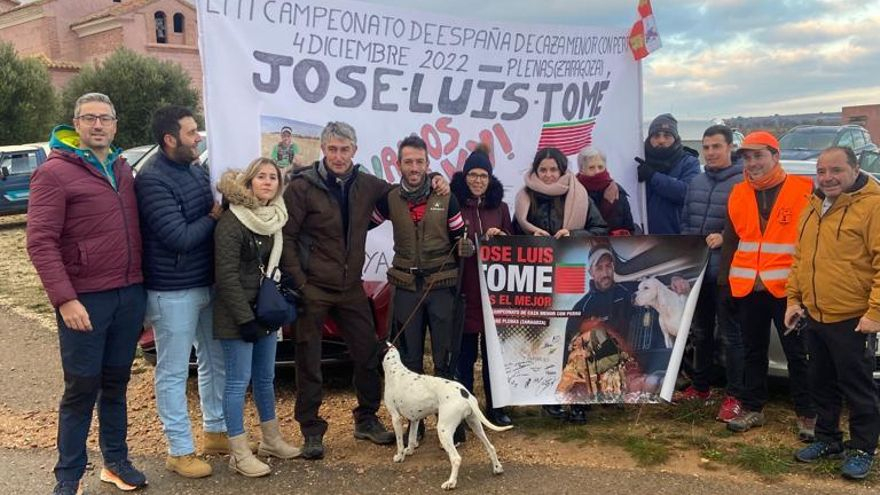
x=56, y=64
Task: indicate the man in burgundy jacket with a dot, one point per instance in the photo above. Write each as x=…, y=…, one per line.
x=84, y=240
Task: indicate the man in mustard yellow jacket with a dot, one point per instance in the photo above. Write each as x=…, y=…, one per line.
x=835, y=288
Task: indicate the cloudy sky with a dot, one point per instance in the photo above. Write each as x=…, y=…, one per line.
x=723, y=58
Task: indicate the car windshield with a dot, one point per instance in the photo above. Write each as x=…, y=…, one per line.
x=807, y=140
x=24, y=162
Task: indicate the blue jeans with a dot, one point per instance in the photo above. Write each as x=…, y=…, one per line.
x=246, y=362
x=181, y=318
x=97, y=366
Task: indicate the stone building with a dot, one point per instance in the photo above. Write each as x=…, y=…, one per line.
x=69, y=34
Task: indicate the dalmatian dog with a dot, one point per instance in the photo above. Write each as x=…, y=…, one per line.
x=414, y=397
x=668, y=303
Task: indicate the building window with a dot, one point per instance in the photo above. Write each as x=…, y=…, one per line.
x=161, y=29
x=178, y=22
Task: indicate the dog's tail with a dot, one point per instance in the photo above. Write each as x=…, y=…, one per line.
x=475, y=408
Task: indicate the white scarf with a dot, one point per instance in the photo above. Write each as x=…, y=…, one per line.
x=265, y=220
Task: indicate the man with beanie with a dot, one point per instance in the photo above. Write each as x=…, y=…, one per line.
x=481, y=197
x=666, y=170
x=757, y=250
x=835, y=285
x=705, y=213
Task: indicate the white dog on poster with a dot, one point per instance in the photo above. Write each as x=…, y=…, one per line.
x=668, y=303
x=414, y=397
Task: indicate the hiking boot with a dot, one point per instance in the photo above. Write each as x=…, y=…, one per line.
x=273, y=444
x=313, y=447
x=373, y=431
x=555, y=411
x=730, y=409
x=188, y=466
x=68, y=488
x=243, y=461
x=746, y=421
x=217, y=443
x=857, y=464
x=819, y=450
x=419, y=436
x=806, y=429
x=691, y=393
x=578, y=414
x=459, y=436
x=498, y=417
x=123, y=475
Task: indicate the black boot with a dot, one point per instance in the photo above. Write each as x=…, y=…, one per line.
x=419, y=436
x=578, y=414
x=555, y=411
x=498, y=417
x=459, y=436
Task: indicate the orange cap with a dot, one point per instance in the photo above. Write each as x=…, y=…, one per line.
x=759, y=140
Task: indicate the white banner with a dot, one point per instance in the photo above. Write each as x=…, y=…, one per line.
x=392, y=72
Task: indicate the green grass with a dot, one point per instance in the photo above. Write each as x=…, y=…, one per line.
x=768, y=461
x=646, y=451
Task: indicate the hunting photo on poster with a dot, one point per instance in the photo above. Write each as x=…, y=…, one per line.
x=584, y=320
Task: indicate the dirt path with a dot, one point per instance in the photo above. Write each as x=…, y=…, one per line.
x=535, y=460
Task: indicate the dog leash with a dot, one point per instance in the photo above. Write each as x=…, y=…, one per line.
x=425, y=291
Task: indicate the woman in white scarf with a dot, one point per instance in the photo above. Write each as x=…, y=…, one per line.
x=247, y=243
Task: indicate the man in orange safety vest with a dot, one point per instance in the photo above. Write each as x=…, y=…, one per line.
x=758, y=243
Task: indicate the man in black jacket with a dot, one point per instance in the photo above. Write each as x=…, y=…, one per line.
x=178, y=214
x=705, y=213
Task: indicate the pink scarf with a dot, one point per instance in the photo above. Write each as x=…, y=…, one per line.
x=576, y=201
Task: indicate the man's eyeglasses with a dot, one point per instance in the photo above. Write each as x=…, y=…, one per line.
x=473, y=176
x=90, y=119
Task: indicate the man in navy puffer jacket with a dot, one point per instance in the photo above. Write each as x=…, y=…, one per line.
x=178, y=215
x=705, y=213
x=666, y=170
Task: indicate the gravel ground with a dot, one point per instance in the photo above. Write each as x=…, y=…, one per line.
x=539, y=456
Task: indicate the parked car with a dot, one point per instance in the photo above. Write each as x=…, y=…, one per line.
x=17, y=163
x=805, y=142
x=134, y=155
x=333, y=349
x=144, y=153
x=870, y=163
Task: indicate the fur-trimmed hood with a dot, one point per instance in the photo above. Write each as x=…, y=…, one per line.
x=494, y=193
x=234, y=191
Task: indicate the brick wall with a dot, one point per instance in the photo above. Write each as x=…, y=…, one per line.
x=866, y=115
x=99, y=45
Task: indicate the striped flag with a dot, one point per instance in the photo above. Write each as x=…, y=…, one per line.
x=644, y=37
x=569, y=278
x=569, y=137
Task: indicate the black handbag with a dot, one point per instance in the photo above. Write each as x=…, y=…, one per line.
x=275, y=306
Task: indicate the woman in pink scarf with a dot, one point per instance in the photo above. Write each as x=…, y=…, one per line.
x=553, y=202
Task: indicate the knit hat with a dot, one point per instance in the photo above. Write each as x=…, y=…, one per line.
x=478, y=159
x=664, y=122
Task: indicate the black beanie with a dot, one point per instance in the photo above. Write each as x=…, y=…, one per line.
x=664, y=122
x=478, y=159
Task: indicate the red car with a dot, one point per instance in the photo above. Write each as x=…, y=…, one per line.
x=333, y=351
